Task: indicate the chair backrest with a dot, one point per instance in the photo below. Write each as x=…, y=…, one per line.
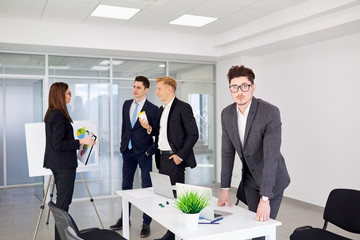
x=70, y=234
x=62, y=220
x=343, y=209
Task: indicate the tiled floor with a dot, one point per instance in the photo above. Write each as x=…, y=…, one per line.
x=19, y=211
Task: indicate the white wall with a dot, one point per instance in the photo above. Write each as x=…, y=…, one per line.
x=317, y=89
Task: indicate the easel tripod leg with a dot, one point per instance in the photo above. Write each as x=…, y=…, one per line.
x=51, y=197
x=91, y=199
x=42, y=208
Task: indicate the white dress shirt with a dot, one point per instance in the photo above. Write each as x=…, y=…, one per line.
x=132, y=108
x=241, y=119
x=163, y=140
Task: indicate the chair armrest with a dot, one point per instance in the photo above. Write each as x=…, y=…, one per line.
x=302, y=228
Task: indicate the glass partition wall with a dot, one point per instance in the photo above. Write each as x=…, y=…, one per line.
x=21, y=98
x=2, y=129
x=23, y=104
x=21, y=101
x=89, y=83
x=196, y=85
x=99, y=87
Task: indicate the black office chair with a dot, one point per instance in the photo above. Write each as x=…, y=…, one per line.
x=64, y=220
x=342, y=209
x=70, y=234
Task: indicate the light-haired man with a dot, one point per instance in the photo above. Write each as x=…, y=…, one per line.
x=177, y=136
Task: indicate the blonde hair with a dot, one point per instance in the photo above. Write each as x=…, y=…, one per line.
x=167, y=80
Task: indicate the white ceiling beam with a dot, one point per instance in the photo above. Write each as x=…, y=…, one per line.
x=293, y=32
x=292, y=15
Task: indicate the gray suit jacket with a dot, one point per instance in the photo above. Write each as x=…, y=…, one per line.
x=261, y=148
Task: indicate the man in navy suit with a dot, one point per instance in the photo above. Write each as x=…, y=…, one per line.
x=177, y=136
x=137, y=145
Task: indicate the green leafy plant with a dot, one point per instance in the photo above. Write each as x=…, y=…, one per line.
x=191, y=202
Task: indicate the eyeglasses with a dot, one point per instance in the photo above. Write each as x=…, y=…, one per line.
x=68, y=93
x=243, y=87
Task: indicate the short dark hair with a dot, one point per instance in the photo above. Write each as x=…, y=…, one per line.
x=145, y=81
x=241, y=71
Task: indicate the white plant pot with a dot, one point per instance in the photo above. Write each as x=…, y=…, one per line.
x=191, y=220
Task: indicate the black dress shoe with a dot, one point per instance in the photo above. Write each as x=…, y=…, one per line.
x=145, y=231
x=118, y=225
x=168, y=236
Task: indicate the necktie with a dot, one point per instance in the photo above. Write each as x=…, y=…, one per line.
x=133, y=120
x=161, y=109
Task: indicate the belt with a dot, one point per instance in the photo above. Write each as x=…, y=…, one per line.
x=166, y=152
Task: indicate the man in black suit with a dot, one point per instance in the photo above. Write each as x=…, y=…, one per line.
x=177, y=136
x=137, y=145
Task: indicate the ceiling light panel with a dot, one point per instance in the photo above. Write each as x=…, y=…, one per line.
x=193, y=20
x=107, y=62
x=100, y=68
x=107, y=11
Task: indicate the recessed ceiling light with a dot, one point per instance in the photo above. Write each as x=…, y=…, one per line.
x=114, y=62
x=117, y=62
x=104, y=62
x=192, y=20
x=162, y=65
x=114, y=12
x=100, y=68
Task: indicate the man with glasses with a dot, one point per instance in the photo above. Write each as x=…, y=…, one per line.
x=251, y=127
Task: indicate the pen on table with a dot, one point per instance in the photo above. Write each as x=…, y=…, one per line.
x=216, y=220
x=208, y=223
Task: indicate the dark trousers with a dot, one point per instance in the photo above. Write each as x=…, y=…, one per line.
x=168, y=167
x=64, y=182
x=253, y=198
x=175, y=172
x=130, y=162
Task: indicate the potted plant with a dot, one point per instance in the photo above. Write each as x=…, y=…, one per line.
x=191, y=203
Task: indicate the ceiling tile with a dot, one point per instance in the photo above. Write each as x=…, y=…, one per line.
x=216, y=27
x=22, y=9
x=68, y=11
x=275, y=5
x=237, y=3
x=214, y=10
x=141, y=4
x=247, y=14
x=157, y=16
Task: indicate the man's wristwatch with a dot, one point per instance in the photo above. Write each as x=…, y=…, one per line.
x=147, y=153
x=265, y=198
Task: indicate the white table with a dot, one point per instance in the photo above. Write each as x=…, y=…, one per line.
x=239, y=225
